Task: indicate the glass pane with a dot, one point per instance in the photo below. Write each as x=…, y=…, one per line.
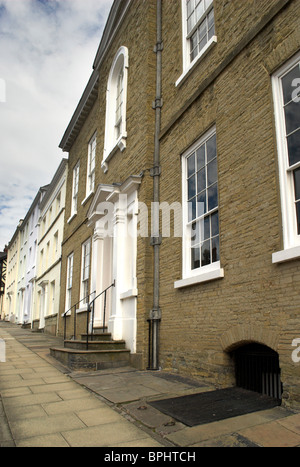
x=195, y=235
x=191, y=187
x=297, y=184
x=215, y=224
x=211, y=148
x=201, y=203
x=206, y=231
x=195, y=257
x=189, y=7
x=199, y=10
x=212, y=172
x=211, y=32
x=194, y=45
x=210, y=19
x=288, y=83
x=298, y=216
x=292, y=117
x=203, y=43
x=191, y=165
x=202, y=29
x=201, y=157
x=205, y=253
x=294, y=147
x=215, y=253
x=191, y=22
x=212, y=194
x=201, y=179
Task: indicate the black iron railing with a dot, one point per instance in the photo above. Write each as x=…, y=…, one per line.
x=73, y=307
x=90, y=309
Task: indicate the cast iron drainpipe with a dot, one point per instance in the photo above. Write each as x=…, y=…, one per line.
x=155, y=313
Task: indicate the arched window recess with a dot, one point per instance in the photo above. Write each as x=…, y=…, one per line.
x=116, y=100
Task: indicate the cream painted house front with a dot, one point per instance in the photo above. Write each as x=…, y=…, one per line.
x=47, y=280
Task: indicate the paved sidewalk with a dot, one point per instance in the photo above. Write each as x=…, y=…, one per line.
x=43, y=404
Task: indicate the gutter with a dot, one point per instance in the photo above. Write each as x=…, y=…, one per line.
x=156, y=239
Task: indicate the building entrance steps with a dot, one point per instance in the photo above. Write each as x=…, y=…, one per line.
x=43, y=403
x=92, y=352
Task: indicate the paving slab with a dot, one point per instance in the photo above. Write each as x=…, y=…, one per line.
x=24, y=412
x=75, y=406
x=105, y=435
x=22, y=429
x=48, y=441
x=272, y=435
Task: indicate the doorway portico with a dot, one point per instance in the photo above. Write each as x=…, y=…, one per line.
x=113, y=216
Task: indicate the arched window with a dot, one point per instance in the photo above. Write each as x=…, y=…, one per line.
x=116, y=99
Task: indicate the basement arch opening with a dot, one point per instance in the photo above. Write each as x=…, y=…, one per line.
x=257, y=369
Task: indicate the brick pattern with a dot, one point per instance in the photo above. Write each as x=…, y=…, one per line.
x=256, y=300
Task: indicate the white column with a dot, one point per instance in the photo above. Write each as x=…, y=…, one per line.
x=97, y=274
x=119, y=249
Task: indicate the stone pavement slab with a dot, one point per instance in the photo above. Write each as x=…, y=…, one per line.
x=43, y=404
x=271, y=435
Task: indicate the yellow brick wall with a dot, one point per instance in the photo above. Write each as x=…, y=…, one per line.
x=256, y=298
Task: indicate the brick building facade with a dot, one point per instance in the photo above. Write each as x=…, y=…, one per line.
x=208, y=121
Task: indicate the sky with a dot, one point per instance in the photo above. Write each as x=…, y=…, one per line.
x=47, y=49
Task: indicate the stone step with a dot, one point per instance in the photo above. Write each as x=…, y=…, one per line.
x=95, y=344
x=100, y=330
x=104, y=336
x=87, y=360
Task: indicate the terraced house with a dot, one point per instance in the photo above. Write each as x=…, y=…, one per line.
x=192, y=105
x=46, y=284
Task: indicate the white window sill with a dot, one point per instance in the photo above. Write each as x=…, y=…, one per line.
x=200, y=279
x=72, y=217
x=129, y=294
x=286, y=255
x=87, y=198
x=120, y=144
x=196, y=60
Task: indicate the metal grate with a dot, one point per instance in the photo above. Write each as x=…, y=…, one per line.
x=257, y=369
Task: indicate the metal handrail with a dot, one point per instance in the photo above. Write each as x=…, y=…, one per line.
x=91, y=305
x=70, y=309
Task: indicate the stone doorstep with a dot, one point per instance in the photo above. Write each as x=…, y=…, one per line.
x=90, y=359
x=95, y=345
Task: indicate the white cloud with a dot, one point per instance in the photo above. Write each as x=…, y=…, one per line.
x=47, y=49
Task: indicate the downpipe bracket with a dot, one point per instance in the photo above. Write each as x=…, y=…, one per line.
x=155, y=314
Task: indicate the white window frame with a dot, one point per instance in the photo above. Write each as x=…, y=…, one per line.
x=291, y=239
x=188, y=65
x=203, y=273
x=69, y=284
x=91, y=167
x=75, y=189
x=85, y=272
x=115, y=124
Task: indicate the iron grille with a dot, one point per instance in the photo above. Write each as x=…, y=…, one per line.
x=257, y=369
